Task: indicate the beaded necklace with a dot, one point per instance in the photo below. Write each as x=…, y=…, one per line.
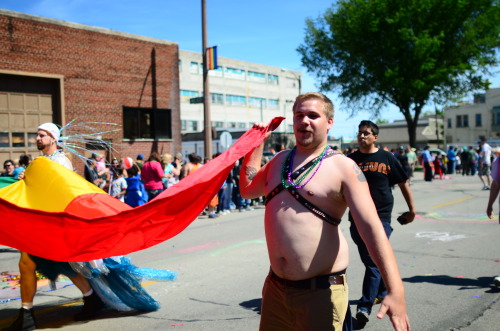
x=286, y=170
x=51, y=156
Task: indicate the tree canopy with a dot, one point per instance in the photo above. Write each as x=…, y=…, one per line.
x=404, y=52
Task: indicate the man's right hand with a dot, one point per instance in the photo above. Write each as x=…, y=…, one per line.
x=21, y=175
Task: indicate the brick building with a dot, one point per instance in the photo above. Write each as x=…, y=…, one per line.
x=57, y=71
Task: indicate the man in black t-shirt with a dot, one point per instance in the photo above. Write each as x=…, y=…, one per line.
x=382, y=171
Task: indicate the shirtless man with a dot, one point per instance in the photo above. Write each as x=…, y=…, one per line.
x=47, y=137
x=306, y=287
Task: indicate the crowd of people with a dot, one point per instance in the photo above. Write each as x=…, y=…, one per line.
x=138, y=181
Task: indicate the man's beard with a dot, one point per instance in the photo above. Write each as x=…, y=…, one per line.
x=41, y=147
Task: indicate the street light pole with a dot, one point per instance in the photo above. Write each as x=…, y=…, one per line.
x=206, y=88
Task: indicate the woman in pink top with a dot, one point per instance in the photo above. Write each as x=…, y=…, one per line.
x=152, y=174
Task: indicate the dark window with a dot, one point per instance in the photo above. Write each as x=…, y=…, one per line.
x=449, y=123
x=479, y=120
x=466, y=121
x=147, y=123
x=459, y=121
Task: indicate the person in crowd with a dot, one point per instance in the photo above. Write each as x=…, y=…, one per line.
x=152, y=175
x=91, y=173
x=99, y=164
x=24, y=161
x=438, y=166
x=473, y=159
x=307, y=191
x=382, y=171
x=172, y=170
x=116, y=164
x=404, y=162
x=47, y=137
x=494, y=190
x=118, y=186
x=458, y=161
x=139, y=160
x=9, y=167
x=484, y=170
x=136, y=193
x=412, y=160
x=193, y=164
x=464, y=160
x=452, y=160
x=427, y=162
x=241, y=204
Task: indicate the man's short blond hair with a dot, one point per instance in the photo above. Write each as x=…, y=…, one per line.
x=327, y=103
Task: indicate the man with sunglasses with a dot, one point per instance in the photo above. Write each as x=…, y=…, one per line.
x=382, y=171
x=9, y=167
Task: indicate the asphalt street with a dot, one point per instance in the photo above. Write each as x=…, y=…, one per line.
x=447, y=259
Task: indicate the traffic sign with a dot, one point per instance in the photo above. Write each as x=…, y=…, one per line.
x=226, y=140
x=197, y=100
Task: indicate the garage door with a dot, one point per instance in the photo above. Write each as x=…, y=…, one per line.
x=20, y=115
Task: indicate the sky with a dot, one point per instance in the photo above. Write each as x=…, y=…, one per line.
x=260, y=31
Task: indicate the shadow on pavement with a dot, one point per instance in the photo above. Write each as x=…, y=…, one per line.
x=464, y=283
x=253, y=304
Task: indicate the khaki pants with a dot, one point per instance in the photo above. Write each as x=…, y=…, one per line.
x=285, y=308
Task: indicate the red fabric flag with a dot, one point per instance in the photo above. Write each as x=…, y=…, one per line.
x=95, y=225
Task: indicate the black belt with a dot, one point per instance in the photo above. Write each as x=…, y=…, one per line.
x=323, y=281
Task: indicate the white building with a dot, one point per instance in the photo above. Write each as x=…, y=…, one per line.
x=241, y=94
x=466, y=123
x=395, y=134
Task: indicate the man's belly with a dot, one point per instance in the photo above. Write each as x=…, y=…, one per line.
x=301, y=245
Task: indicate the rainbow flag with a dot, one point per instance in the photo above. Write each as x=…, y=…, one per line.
x=212, y=58
x=56, y=214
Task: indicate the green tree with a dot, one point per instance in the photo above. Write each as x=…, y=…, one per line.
x=404, y=52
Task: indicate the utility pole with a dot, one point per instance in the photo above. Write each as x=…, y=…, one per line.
x=437, y=127
x=206, y=88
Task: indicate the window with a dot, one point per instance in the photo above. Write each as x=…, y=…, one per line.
x=292, y=82
x=194, y=67
x=4, y=139
x=147, y=123
x=234, y=73
x=192, y=125
x=231, y=125
x=242, y=125
x=255, y=76
x=497, y=118
x=216, y=72
x=479, y=120
x=462, y=121
x=187, y=94
x=217, y=98
x=449, y=123
x=272, y=79
x=235, y=100
x=218, y=124
x=273, y=103
x=255, y=102
x=18, y=139
x=180, y=65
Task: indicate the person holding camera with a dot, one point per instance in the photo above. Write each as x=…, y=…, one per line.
x=382, y=171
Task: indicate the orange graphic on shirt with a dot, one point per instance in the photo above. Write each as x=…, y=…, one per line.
x=375, y=166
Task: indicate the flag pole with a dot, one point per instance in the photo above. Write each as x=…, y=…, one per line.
x=206, y=88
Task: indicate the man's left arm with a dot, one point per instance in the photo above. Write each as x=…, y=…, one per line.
x=405, y=189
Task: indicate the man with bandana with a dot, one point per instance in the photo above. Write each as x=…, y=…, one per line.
x=47, y=137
